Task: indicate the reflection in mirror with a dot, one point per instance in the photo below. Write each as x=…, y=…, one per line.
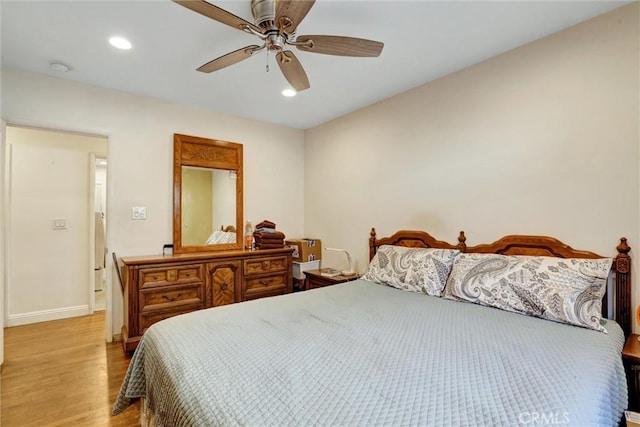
x=207, y=194
x=208, y=206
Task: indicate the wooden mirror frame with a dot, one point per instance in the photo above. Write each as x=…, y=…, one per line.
x=205, y=153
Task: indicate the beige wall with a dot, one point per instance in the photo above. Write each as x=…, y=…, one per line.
x=197, y=206
x=540, y=140
x=140, y=149
x=101, y=188
x=224, y=199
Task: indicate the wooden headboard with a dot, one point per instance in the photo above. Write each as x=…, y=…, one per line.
x=530, y=245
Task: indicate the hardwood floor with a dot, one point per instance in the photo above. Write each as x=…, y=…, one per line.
x=62, y=373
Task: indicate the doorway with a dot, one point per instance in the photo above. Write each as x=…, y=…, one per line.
x=49, y=227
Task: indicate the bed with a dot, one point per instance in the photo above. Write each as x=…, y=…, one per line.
x=224, y=235
x=366, y=353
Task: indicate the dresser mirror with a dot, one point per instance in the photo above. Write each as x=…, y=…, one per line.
x=207, y=194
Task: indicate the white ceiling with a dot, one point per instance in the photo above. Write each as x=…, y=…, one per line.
x=423, y=40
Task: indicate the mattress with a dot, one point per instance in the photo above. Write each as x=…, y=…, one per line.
x=359, y=353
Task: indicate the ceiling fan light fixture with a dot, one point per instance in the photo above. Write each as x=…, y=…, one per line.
x=289, y=93
x=276, y=24
x=120, y=43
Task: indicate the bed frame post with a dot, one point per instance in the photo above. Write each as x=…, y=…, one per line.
x=622, y=309
x=461, y=242
x=372, y=243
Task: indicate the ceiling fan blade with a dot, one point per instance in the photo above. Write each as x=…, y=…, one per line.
x=295, y=10
x=216, y=13
x=292, y=70
x=339, y=45
x=228, y=59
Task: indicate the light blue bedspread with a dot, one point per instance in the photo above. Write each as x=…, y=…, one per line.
x=364, y=354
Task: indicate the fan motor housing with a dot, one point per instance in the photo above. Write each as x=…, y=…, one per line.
x=264, y=13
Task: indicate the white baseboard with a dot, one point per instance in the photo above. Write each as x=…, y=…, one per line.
x=47, y=315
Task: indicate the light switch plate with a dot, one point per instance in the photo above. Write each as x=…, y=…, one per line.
x=138, y=212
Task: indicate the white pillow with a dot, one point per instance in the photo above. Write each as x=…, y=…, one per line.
x=563, y=290
x=412, y=269
x=219, y=236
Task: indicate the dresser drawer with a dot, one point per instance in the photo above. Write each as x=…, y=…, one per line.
x=162, y=276
x=149, y=318
x=275, y=284
x=173, y=295
x=272, y=264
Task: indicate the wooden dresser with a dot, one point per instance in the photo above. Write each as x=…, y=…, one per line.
x=158, y=287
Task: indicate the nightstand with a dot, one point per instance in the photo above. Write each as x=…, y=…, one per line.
x=631, y=359
x=315, y=279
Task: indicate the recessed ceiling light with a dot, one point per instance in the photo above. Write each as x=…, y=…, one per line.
x=120, y=43
x=289, y=93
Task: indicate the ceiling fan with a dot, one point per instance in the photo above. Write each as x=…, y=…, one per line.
x=275, y=24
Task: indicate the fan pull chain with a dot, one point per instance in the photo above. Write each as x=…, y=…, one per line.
x=267, y=67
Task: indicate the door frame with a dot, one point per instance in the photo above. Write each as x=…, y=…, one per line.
x=5, y=237
x=3, y=229
x=92, y=231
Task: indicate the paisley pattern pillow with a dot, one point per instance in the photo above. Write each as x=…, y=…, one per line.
x=411, y=269
x=563, y=290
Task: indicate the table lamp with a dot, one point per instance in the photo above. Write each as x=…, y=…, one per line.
x=351, y=269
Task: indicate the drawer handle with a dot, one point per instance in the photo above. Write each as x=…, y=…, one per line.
x=267, y=283
x=224, y=286
x=172, y=299
x=188, y=274
x=155, y=277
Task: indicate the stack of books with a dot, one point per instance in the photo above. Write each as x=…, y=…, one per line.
x=330, y=272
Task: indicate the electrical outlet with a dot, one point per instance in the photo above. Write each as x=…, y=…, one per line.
x=138, y=212
x=59, y=224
